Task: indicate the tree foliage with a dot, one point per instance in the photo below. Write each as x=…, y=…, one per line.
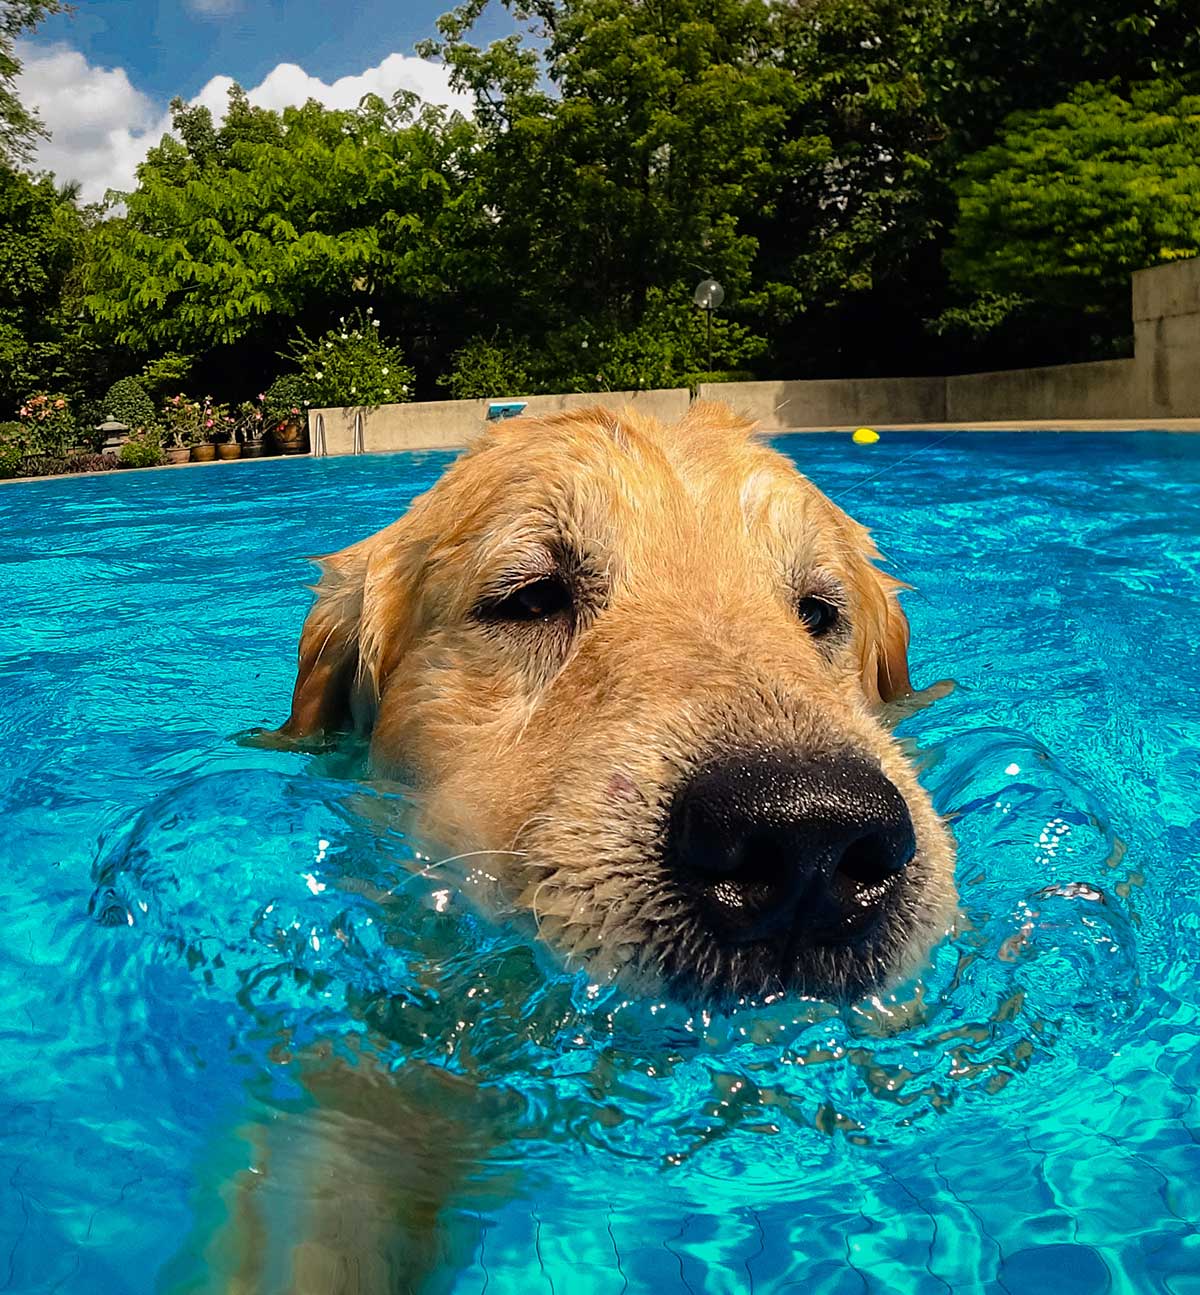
x=1071, y=199
x=19, y=126
x=623, y=146
x=270, y=218
x=881, y=186
x=41, y=236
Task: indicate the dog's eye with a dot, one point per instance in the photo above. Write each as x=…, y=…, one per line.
x=539, y=600
x=818, y=615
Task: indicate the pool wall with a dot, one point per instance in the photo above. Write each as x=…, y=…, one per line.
x=1161, y=382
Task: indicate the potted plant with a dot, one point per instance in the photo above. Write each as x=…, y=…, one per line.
x=250, y=427
x=224, y=433
x=286, y=407
x=175, y=447
x=203, y=441
x=182, y=421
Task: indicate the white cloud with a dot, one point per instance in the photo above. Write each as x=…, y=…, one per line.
x=288, y=83
x=101, y=126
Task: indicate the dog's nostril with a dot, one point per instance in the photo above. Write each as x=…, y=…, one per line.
x=875, y=858
x=760, y=858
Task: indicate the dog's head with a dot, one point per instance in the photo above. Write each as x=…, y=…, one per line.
x=645, y=666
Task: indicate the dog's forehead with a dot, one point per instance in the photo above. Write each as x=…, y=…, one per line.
x=597, y=471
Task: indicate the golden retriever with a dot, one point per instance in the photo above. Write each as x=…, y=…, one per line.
x=645, y=666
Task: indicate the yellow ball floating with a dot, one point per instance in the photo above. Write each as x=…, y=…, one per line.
x=865, y=436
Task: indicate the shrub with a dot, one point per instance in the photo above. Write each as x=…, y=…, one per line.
x=142, y=450
x=694, y=380
x=490, y=368
x=127, y=402
x=44, y=465
x=168, y=371
x=668, y=348
x=670, y=343
x=351, y=365
x=48, y=422
x=286, y=399
x=13, y=438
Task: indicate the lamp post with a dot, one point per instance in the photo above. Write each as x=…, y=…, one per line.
x=708, y=296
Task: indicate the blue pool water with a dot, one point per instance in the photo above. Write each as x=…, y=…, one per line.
x=186, y=919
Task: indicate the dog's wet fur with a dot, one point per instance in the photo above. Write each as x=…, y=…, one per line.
x=646, y=666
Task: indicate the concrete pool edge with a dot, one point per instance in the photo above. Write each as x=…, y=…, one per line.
x=1014, y=425
x=1177, y=425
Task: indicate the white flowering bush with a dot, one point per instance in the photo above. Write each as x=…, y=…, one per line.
x=351, y=364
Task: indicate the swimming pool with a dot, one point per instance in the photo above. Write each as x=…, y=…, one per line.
x=184, y=915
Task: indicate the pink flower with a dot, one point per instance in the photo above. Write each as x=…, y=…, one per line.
x=261, y=396
x=208, y=422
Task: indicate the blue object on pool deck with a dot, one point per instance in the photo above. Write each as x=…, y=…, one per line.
x=505, y=409
x=1034, y=1127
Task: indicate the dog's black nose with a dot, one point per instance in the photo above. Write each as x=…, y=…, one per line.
x=773, y=844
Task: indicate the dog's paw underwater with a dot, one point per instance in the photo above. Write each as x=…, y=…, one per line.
x=293, y=911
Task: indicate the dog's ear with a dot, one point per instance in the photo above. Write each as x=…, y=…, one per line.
x=329, y=683
x=882, y=633
x=883, y=648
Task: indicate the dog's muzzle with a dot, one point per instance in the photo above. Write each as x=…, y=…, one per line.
x=792, y=852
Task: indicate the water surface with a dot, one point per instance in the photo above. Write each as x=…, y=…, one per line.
x=184, y=917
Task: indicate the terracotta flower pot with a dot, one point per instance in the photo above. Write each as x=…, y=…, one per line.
x=252, y=450
x=229, y=450
x=177, y=453
x=204, y=453
x=292, y=438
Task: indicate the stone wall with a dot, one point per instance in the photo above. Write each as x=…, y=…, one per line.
x=833, y=402
x=449, y=424
x=1166, y=337
x=1162, y=381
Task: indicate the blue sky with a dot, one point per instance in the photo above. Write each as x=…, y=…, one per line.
x=175, y=48
x=102, y=76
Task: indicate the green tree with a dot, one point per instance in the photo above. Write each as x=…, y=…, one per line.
x=235, y=233
x=1071, y=199
x=19, y=126
x=623, y=145
x=896, y=93
x=41, y=234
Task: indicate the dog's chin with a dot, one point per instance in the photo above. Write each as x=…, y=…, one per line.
x=704, y=966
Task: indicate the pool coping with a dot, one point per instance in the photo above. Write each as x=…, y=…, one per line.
x=1016, y=425
x=1179, y=425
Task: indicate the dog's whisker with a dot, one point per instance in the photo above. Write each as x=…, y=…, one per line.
x=453, y=858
